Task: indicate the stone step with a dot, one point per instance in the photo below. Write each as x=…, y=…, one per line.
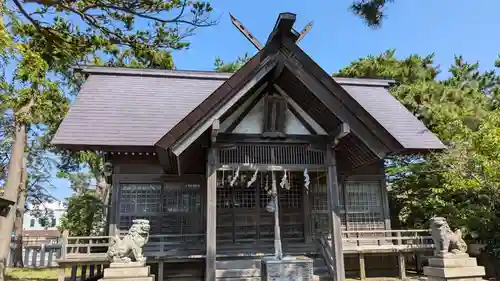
x=115, y=272
x=321, y=278
x=150, y=278
x=237, y=273
x=240, y=279
x=183, y=279
x=238, y=264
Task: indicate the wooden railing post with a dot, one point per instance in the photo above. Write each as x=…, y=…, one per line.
x=64, y=244
x=399, y=241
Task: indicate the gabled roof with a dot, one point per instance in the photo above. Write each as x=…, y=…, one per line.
x=132, y=107
x=135, y=107
x=123, y=107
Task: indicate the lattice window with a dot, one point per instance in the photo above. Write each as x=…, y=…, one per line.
x=140, y=198
x=291, y=154
x=173, y=208
x=182, y=209
x=364, y=206
x=291, y=198
x=139, y=201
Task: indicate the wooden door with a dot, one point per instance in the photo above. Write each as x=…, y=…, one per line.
x=242, y=216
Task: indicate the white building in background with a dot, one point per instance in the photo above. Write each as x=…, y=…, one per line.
x=51, y=219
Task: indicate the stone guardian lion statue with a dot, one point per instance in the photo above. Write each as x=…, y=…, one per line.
x=445, y=240
x=130, y=248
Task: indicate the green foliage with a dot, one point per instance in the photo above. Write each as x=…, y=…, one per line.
x=42, y=44
x=462, y=183
x=371, y=11
x=222, y=66
x=409, y=70
x=41, y=40
x=83, y=211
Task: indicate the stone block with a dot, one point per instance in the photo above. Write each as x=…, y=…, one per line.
x=114, y=272
x=287, y=269
x=133, y=271
x=459, y=267
x=453, y=262
x=432, y=278
x=454, y=272
x=127, y=264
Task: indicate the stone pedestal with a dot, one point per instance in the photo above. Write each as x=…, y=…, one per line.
x=458, y=267
x=288, y=269
x=132, y=271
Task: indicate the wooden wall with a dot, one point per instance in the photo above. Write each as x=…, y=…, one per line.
x=145, y=169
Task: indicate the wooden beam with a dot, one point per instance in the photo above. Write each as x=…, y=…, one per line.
x=215, y=130
x=284, y=25
x=317, y=128
x=195, y=132
x=336, y=106
x=160, y=270
x=402, y=266
x=257, y=138
x=179, y=164
x=299, y=58
x=164, y=158
x=113, y=211
x=334, y=217
x=211, y=214
x=280, y=65
x=342, y=130
x=250, y=106
x=304, y=32
x=246, y=32
x=362, y=266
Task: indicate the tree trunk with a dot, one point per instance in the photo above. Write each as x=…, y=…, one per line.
x=18, y=224
x=11, y=192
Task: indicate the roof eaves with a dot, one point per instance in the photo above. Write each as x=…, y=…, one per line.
x=193, y=74
x=347, y=81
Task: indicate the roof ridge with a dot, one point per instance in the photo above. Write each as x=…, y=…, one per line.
x=155, y=72
x=209, y=74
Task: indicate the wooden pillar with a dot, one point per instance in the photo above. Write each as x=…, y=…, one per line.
x=385, y=196
x=160, y=270
x=74, y=270
x=114, y=211
x=211, y=176
x=334, y=216
x=307, y=215
x=362, y=267
x=402, y=265
x=418, y=263
x=61, y=275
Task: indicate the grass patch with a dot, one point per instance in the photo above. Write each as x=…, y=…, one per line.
x=34, y=274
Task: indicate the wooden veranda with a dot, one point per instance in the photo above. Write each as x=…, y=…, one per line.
x=86, y=255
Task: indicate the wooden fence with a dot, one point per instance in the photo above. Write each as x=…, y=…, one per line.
x=38, y=252
x=39, y=256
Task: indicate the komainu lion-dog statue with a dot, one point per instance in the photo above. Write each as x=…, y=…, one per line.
x=130, y=248
x=445, y=240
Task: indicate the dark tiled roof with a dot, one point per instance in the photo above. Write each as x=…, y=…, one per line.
x=135, y=107
x=132, y=110
x=410, y=132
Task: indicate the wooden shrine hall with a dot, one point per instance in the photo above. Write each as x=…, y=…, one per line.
x=202, y=154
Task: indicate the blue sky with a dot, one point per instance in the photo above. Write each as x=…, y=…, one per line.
x=443, y=27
